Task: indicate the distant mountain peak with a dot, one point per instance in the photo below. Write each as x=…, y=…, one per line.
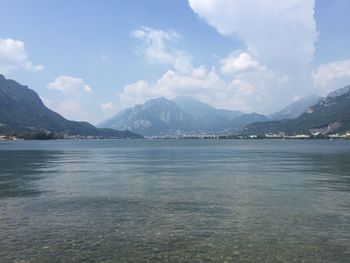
x=295, y=109
x=157, y=116
x=159, y=99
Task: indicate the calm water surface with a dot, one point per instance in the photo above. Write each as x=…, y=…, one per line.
x=175, y=200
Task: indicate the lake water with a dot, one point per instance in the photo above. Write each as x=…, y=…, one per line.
x=175, y=200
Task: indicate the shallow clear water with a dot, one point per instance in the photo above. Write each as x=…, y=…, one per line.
x=175, y=200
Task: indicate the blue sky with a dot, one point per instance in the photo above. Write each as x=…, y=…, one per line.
x=89, y=59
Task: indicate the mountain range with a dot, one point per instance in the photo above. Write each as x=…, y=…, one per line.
x=328, y=115
x=182, y=115
x=22, y=111
x=185, y=115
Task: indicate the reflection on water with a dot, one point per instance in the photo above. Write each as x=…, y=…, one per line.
x=235, y=201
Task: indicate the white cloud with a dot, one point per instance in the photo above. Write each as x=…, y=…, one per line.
x=135, y=93
x=87, y=88
x=77, y=101
x=155, y=44
x=243, y=96
x=68, y=84
x=332, y=75
x=279, y=37
x=200, y=83
x=247, y=90
x=107, y=106
x=183, y=62
x=238, y=63
x=14, y=56
x=279, y=32
x=196, y=83
x=156, y=48
x=171, y=84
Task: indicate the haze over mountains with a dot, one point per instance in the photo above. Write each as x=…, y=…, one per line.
x=185, y=115
x=294, y=109
x=328, y=116
x=21, y=110
x=182, y=115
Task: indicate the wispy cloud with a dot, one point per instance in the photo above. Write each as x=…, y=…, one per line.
x=68, y=84
x=332, y=75
x=107, y=106
x=278, y=50
x=155, y=44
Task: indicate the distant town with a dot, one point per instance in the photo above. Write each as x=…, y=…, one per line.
x=316, y=135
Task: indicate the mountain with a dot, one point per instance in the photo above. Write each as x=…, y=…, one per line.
x=295, y=109
x=245, y=119
x=21, y=110
x=339, y=92
x=182, y=115
x=156, y=117
x=329, y=115
x=201, y=110
x=207, y=118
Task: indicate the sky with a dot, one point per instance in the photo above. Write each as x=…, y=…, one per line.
x=89, y=59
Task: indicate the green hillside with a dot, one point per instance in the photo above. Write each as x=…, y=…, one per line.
x=21, y=110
